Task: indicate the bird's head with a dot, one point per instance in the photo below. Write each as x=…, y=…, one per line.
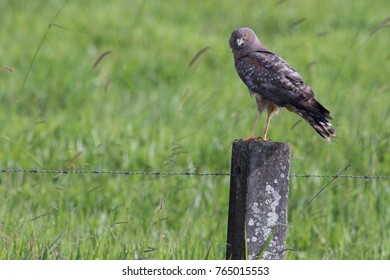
x=241, y=38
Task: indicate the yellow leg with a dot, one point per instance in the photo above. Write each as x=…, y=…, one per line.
x=267, y=125
x=252, y=135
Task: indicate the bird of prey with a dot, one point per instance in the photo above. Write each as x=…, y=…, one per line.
x=275, y=84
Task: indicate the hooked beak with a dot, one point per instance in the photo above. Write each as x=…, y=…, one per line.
x=240, y=42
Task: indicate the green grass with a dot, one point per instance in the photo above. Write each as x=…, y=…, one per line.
x=143, y=108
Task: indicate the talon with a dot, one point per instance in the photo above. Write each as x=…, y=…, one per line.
x=253, y=138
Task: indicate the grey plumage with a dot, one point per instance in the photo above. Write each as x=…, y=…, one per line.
x=276, y=84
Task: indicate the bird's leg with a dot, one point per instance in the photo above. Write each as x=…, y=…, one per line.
x=252, y=135
x=267, y=125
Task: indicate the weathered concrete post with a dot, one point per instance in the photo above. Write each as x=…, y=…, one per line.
x=257, y=222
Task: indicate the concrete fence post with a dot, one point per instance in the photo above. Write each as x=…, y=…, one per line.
x=257, y=222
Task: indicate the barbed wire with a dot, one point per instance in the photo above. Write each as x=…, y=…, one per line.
x=74, y=171
x=178, y=173
x=367, y=177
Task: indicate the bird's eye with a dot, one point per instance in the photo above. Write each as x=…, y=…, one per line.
x=244, y=37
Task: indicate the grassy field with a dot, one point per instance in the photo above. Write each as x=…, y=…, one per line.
x=142, y=107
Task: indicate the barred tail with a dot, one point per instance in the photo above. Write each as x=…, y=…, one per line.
x=319, y=122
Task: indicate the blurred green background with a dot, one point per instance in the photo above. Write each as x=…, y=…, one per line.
x=144, y=107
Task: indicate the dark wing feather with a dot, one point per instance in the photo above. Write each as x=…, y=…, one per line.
x=267, y=74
